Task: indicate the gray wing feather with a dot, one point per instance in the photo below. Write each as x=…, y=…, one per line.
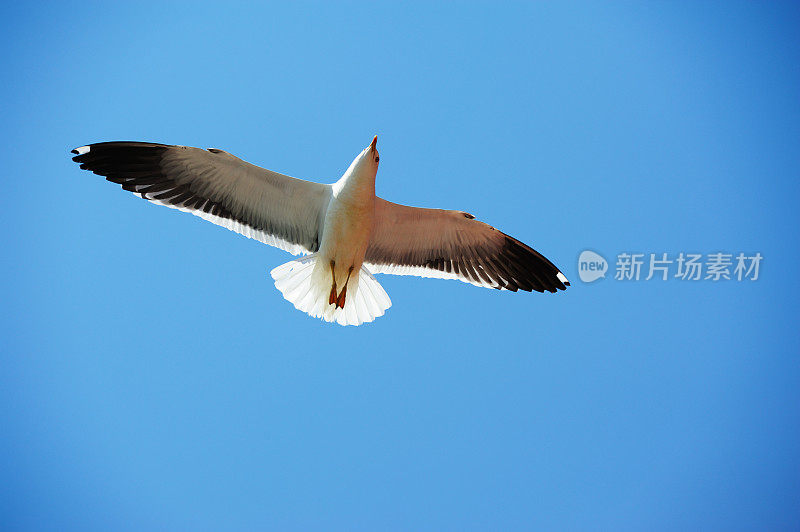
x=267, y=206
x=453, y=245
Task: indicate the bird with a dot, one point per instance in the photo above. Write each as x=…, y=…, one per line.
x=342, y=232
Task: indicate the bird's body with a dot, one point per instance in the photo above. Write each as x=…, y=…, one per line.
x=345, y=234
x=346, y=230
x=349, y=220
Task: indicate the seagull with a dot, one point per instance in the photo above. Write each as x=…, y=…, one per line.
x=343, y=232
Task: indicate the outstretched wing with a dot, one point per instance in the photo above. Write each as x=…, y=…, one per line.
x=273, y=208
x=453, y=245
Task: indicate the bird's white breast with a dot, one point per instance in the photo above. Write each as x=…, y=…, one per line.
x=349, y=219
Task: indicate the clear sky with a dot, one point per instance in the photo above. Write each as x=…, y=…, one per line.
x=152, y=377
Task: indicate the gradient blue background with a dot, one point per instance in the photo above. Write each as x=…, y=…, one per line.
x=152, y=377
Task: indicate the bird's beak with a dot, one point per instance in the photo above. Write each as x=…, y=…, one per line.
x=374, y=142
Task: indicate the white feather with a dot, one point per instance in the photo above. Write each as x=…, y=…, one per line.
x=306, y=284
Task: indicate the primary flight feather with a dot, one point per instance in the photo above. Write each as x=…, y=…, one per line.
x=346, y=232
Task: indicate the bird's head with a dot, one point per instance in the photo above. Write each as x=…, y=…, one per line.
x=373, y=149
x=366, y=162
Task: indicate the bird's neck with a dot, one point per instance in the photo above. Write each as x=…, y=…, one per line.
x=356, y=185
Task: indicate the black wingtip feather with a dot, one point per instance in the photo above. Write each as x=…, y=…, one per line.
x=535, y=267
x=136, y=166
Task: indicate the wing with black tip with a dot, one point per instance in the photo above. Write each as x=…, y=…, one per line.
x=454, y=245
x=267, y=206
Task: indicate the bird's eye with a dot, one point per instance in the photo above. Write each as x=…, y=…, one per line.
x=377, y=158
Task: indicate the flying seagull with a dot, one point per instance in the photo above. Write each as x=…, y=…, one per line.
x=345, y=232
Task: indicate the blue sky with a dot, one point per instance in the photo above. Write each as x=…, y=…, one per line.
x=151, y=376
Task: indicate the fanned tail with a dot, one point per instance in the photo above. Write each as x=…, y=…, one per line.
x=306, y=284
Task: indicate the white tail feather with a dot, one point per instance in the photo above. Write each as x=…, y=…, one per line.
x=306, y=284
